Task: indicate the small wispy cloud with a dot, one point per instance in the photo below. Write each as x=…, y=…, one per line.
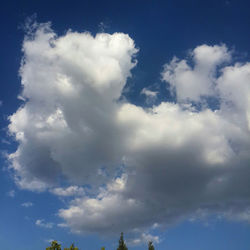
x=69, y=191
x=11, y=193
x=42, y=223
x=149, y=94
x=62, y=225
x=4, y=141
x=20, y=97
x=50, y=240
x=103, y=26
x=27, y=204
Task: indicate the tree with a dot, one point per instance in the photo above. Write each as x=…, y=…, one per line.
x=150, y=246
x=122, y=245
x=72, y=247
x=103, y=248
x=54, y=246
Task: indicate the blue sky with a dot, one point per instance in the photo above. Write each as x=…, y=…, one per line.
x=126, y=116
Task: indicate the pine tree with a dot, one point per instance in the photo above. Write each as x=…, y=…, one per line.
x=150, y=246
x=122, y=245
x=54, y=246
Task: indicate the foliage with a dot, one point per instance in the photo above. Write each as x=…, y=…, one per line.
x=150, y=246
x=72, y=247
x=122, y=245
x=54, y=246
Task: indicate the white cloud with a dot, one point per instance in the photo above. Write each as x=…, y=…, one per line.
x=151, y=96
x=177, y=158
x=27, y=204
x=149, y=92
x=49, y=240
x=193, y=83
x=144, y=239
x=234, y=89
x=85, y=214
x=69, y=191
x=71, y=88
x=42, y=223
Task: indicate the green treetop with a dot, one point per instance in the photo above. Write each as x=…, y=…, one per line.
x=122, y=245
x=72, y=247
x=150, y=246
x=54, y=246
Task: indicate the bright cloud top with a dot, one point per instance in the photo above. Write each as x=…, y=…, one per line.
x=178, y=158
x=192, y=83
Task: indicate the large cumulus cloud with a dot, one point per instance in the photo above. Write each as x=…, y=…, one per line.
x=177, y=158
x=67, y=125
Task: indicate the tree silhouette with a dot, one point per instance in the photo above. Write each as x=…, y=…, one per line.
x=72, y=247
x=54, y=246
x=122, y=245
x=150, y=246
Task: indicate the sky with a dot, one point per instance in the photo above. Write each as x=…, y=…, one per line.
x=125, y=116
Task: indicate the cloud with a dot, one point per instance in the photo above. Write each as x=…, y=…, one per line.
x=144, y=166
x=50, y=240
x=103, y=26
x=150, y=95
x=27, y=204
x=4, y=141
x=42, y=223
x=69, y=191
x=144, y=239
x=11, y=193
x=71, y=90
x=193, y=83
x=102, y=212
x=62, y=225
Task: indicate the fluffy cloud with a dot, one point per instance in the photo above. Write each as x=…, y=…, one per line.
x=178, y=160
x=67, y=126
x=191, y=83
